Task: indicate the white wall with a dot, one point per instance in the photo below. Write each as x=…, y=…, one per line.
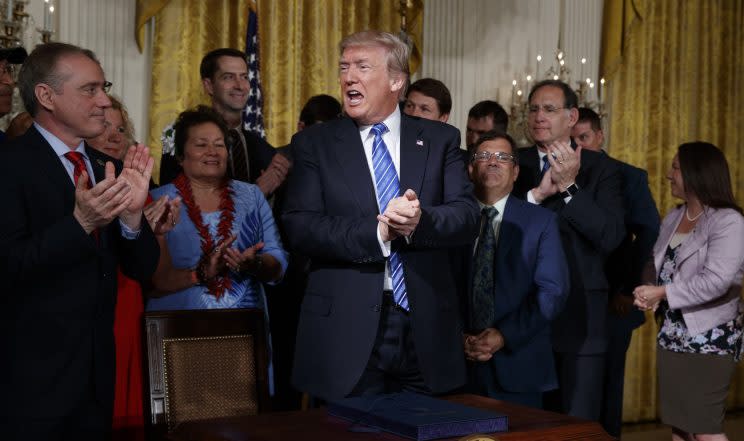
x=477, y=47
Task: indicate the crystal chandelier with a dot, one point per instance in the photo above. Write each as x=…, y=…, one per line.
x=18, y=25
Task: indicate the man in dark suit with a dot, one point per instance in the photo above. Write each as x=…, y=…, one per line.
x=517, y=284
x=8, y=58
x=68, y=221
x=376, y=200
x=584, y=189
x=224, y=74
x=623, y=268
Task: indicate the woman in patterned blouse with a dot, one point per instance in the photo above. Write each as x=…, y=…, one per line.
x=698, y=263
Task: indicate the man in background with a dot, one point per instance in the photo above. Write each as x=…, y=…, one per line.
x=224, y=74
x=428, y=98
x=584, y=189
x=9, y=57
x=485, y=116
x=516, y=280
x=623, y=268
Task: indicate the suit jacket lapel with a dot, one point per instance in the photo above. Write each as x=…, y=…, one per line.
x=51, y=166
x=414, y=151
x=532, y=159
x=665, y=236
x=97, y=163
x=353, y=164
x=508, y=230
x=694, y=242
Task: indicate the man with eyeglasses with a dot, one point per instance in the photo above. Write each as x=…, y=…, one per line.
x=584, y=189
x=71, y=216
x=8, y=58
x=516, y=281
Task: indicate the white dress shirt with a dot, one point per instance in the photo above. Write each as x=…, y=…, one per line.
x=500, y=206
x=530, y=198
x=60, y=148
x=392, y=141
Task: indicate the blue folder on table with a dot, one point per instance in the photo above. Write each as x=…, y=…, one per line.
x=419, y=417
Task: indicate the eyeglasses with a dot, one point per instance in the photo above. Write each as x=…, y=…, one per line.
x=547, y=109
x=8, y=69
x=501, y=157
x=92, y=89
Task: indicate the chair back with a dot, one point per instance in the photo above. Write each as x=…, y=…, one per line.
x=203, y=364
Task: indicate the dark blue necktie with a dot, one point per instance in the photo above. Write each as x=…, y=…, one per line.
x=388, y=187
x=482, y=314
x=545, y=166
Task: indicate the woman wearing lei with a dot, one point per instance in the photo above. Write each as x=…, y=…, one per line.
x=226, y=243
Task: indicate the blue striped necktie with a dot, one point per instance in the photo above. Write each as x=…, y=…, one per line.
x=388, y=187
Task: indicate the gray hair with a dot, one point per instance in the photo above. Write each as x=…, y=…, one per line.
x=41, y=67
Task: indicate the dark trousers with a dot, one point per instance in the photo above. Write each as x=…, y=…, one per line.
x=393, y=365
x=580, y=381
x=91, y=421
x=611, y=416
x=482, y=381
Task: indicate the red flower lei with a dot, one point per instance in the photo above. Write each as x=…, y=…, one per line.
x=221, y=281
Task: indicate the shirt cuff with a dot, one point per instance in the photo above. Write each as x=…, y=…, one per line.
x=531, y=199
x=384, y=246
x=128, y=233
x=567, y=199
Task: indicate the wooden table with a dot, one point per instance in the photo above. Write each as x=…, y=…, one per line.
x=524, y=424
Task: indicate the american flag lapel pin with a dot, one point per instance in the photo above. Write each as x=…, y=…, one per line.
x=419, y=143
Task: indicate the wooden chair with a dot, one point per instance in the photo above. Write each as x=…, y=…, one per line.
x=203, y=364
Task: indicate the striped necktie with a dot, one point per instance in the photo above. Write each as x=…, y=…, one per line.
x=388, y=187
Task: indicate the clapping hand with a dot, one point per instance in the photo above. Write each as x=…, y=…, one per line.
x=243, y=261
x=401, y=216
x=274, y=175
x=137, y=171
x=213, y=264
x=565, y=163
x=163, y=214
x=98, y=206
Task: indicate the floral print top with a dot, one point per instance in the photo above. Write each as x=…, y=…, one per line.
x=725, y=339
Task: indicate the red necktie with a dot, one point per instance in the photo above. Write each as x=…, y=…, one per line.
x=77, y=160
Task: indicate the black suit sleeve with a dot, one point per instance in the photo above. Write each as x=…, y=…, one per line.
x=311, y=230
x=169, y=169
x=454, y=222
x=260, y=154
x=597, y=213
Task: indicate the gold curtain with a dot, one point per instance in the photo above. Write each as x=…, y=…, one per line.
x=298, y=48
x=676, y=73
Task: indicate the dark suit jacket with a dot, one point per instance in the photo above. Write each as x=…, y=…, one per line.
x=58, y=285
x=531, y=286
x=330, y=216
x=591, y=227
x=625, y=264
x=260, y=153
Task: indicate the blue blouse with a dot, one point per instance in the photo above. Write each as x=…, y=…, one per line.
x=253, y=223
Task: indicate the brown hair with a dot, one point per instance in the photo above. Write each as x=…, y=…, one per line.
x=705, y=173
